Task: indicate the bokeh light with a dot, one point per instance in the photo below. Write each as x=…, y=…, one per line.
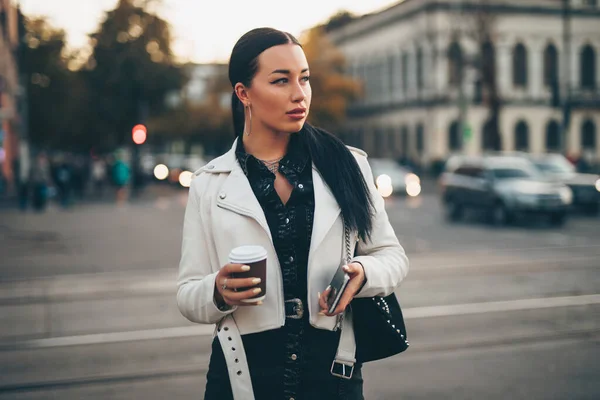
x=413, y=189
x=161, y=172
x=185, y=178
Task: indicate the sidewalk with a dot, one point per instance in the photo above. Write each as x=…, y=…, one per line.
x=149, y=193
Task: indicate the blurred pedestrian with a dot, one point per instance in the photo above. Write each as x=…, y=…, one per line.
x=63, y=178
x=98, y=176
x=121, y=175
x=40, y=180
x=280, y=175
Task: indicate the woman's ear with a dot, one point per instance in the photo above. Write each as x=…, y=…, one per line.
x=242, y=93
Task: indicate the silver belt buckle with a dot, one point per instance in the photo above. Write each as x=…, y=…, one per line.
x=299, y=309
x=342, y=370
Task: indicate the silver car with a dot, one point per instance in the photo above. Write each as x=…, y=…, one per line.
x=392, y=179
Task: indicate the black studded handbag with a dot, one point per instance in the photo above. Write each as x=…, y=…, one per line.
x=378, y=323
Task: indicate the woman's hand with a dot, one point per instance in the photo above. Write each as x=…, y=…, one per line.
x=227, y=288
x=357, y=278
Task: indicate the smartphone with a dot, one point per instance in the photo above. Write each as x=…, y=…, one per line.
x=338, y=285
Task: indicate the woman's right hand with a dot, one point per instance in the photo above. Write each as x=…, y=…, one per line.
x=229, y=290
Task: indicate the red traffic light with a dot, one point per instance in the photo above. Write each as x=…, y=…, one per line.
x=139, y=133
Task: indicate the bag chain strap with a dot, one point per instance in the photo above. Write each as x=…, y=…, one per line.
x=347, y=240
x=340, y=317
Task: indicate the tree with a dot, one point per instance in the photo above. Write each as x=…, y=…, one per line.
x=130, y=71
x=54, y=94
x=332, y=88
x=207, y=122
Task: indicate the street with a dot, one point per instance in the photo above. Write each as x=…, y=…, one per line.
x=88, y=310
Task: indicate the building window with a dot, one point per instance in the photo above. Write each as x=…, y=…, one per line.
x=552, y=136
x=380, y=142
x=522, y=136
x=520, y=66
x=405, y=72
x=419, y=57
x=420, y=139
x=392, y=75
x=404, y=141
x=453, y=137
x=359, y=138
x=588, y=67
x=391, y=141
x=588, y=135
x=489, y=139
x=455, y=64
x=550, y=65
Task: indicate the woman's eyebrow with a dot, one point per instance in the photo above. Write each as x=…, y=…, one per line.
x=286, y=71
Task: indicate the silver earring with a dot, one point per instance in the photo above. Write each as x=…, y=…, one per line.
x=249, y=126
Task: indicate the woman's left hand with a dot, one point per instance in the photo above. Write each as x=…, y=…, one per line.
x=357, y=278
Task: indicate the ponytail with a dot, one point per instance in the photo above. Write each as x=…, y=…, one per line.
x=343, y=176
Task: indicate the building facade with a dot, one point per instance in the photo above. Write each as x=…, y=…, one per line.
x=419, y=61
x=10, y=147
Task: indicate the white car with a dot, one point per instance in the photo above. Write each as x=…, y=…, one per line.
x=391, y=178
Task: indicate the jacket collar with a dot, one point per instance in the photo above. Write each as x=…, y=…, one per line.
x=237, y=195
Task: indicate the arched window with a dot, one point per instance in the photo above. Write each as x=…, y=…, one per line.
x=455, y=63
x=420, y=139
x=404, y=141
x=522, y=136
x=419, y=59
x=405, y=72
x=588, y=135
x=489, y=140
x=392, y=141
x=550, y=65
x=520, y=66
x=380, y=142
x=359, y=138
x=453, y=136
x=553, y=136
x=392, y=76
x=587, y=63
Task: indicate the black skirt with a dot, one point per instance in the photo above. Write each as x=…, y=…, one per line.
x=272, y=371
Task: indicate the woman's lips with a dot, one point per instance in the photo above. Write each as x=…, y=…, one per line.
x=297, y=115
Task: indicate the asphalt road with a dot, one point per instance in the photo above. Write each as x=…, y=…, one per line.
x=87, y=307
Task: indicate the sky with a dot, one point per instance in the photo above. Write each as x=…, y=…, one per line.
x=203, y=32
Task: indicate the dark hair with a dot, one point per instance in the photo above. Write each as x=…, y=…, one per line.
x=335, y=162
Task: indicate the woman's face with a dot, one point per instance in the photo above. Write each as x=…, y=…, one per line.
x=280, y=92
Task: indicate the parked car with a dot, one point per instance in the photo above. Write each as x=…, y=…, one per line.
x=585, y=187
x=503, y=187
x=391, y=178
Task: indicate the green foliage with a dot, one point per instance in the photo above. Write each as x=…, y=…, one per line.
x=123, y=81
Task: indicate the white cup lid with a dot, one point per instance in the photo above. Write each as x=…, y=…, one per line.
x=247, y=254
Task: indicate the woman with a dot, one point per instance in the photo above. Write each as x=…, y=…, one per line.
x=288, y=187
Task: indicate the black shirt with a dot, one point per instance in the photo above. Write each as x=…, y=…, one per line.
x=292, y=362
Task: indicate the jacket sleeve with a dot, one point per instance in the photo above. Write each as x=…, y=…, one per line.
x=383, y=258
x=196, y=282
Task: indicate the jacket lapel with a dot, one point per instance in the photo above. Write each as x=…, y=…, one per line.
x=326, y=211
x=236, y=194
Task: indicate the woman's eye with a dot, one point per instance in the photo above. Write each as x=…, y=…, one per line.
x=306, y=78
x=279, y=81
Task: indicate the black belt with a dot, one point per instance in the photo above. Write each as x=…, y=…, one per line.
x=294, y=308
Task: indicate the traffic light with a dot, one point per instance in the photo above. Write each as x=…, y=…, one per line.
x=138, y=134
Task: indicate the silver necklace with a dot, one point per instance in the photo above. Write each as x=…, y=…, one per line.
x=272, y=165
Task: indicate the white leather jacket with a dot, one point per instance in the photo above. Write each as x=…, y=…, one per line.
x=223, y=213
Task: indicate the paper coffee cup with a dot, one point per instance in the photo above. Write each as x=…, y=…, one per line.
x=256, y=258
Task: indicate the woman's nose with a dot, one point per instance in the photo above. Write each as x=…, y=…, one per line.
x=298, y=93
